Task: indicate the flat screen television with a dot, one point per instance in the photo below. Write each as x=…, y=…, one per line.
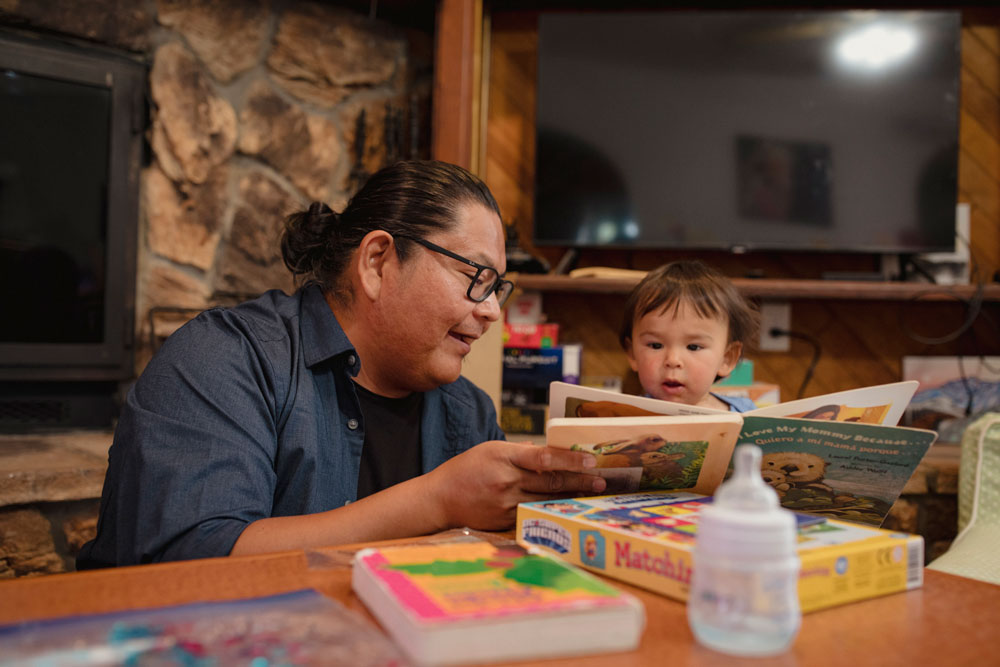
x=71, y=126
x=748, y=130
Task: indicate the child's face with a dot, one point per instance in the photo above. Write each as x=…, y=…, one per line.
x=678, y=354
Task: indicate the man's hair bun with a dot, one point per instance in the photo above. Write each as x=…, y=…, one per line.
x=308, y=237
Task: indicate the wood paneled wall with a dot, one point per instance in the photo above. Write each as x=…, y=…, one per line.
x=979, y=141
x=862, y=342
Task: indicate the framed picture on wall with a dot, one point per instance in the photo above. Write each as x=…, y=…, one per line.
x=953, y=391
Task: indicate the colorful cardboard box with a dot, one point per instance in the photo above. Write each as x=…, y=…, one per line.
x=530, y=335
x=646, y=539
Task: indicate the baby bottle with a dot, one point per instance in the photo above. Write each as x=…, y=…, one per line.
x=744, y=590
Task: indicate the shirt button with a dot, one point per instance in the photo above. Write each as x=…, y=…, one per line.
x=352, y=424
x=351, y=360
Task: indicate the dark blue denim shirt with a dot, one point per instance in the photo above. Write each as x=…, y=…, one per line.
x=248, y=413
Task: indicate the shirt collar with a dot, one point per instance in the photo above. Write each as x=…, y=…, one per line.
x=322, y=336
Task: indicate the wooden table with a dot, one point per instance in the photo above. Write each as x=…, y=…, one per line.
x=950, y=621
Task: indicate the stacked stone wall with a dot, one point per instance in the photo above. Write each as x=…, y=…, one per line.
x=256, y=109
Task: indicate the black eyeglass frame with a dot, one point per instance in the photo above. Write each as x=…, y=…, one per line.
x=498, y=285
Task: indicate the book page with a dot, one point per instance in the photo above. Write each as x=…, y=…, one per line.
x=837, y=469
x=573, y=400
x=881, y=404
x=460, y=581
x=677, y=452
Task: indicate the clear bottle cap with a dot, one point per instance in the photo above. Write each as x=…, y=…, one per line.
x=745, y=518
x=746, y=489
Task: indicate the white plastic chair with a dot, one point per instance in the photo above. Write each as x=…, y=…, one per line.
x=975, y=553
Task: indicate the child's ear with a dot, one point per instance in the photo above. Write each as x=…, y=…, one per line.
x=631, y=355
x=730, y=358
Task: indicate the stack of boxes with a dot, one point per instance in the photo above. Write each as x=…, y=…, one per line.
x=740, y=383
x=532, y=358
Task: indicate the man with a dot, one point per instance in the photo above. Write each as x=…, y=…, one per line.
x=337, y=414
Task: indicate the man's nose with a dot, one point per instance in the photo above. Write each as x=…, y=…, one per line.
x=488, y=309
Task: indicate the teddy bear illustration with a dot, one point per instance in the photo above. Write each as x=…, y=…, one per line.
x=777, y=480
x=800, y=469
x=657, y=465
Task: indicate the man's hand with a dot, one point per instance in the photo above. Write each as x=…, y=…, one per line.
x=481, y=488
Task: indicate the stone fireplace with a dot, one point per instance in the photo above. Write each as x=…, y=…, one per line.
x=255, y=114
x=256, y=108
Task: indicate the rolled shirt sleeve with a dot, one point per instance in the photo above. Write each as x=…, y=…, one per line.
x=194, y=451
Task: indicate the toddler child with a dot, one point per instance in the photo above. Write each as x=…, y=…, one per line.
x=685, y=327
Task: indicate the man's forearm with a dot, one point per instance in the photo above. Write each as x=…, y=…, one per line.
x=403, y=510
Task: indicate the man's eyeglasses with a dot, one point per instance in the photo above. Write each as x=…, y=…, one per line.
x=486, y=281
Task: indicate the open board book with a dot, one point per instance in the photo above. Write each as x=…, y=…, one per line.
x=646, y=539
x=851, y=468
x=467, y=602
x=878, y=404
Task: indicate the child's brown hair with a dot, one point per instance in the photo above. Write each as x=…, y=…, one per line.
x=709, y=292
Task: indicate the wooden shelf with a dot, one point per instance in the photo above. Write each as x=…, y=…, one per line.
x=789, y=289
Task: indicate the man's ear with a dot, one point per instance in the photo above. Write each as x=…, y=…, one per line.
x=730, y=358
x=374, y=252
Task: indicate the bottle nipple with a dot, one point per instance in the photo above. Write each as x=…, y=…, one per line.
x=746, y=489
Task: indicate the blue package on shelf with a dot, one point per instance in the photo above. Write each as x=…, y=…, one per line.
x=529, y=367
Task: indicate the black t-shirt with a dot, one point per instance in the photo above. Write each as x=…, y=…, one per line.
x=391, y=452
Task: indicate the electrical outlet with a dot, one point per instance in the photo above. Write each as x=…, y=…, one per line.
x=774, y=315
